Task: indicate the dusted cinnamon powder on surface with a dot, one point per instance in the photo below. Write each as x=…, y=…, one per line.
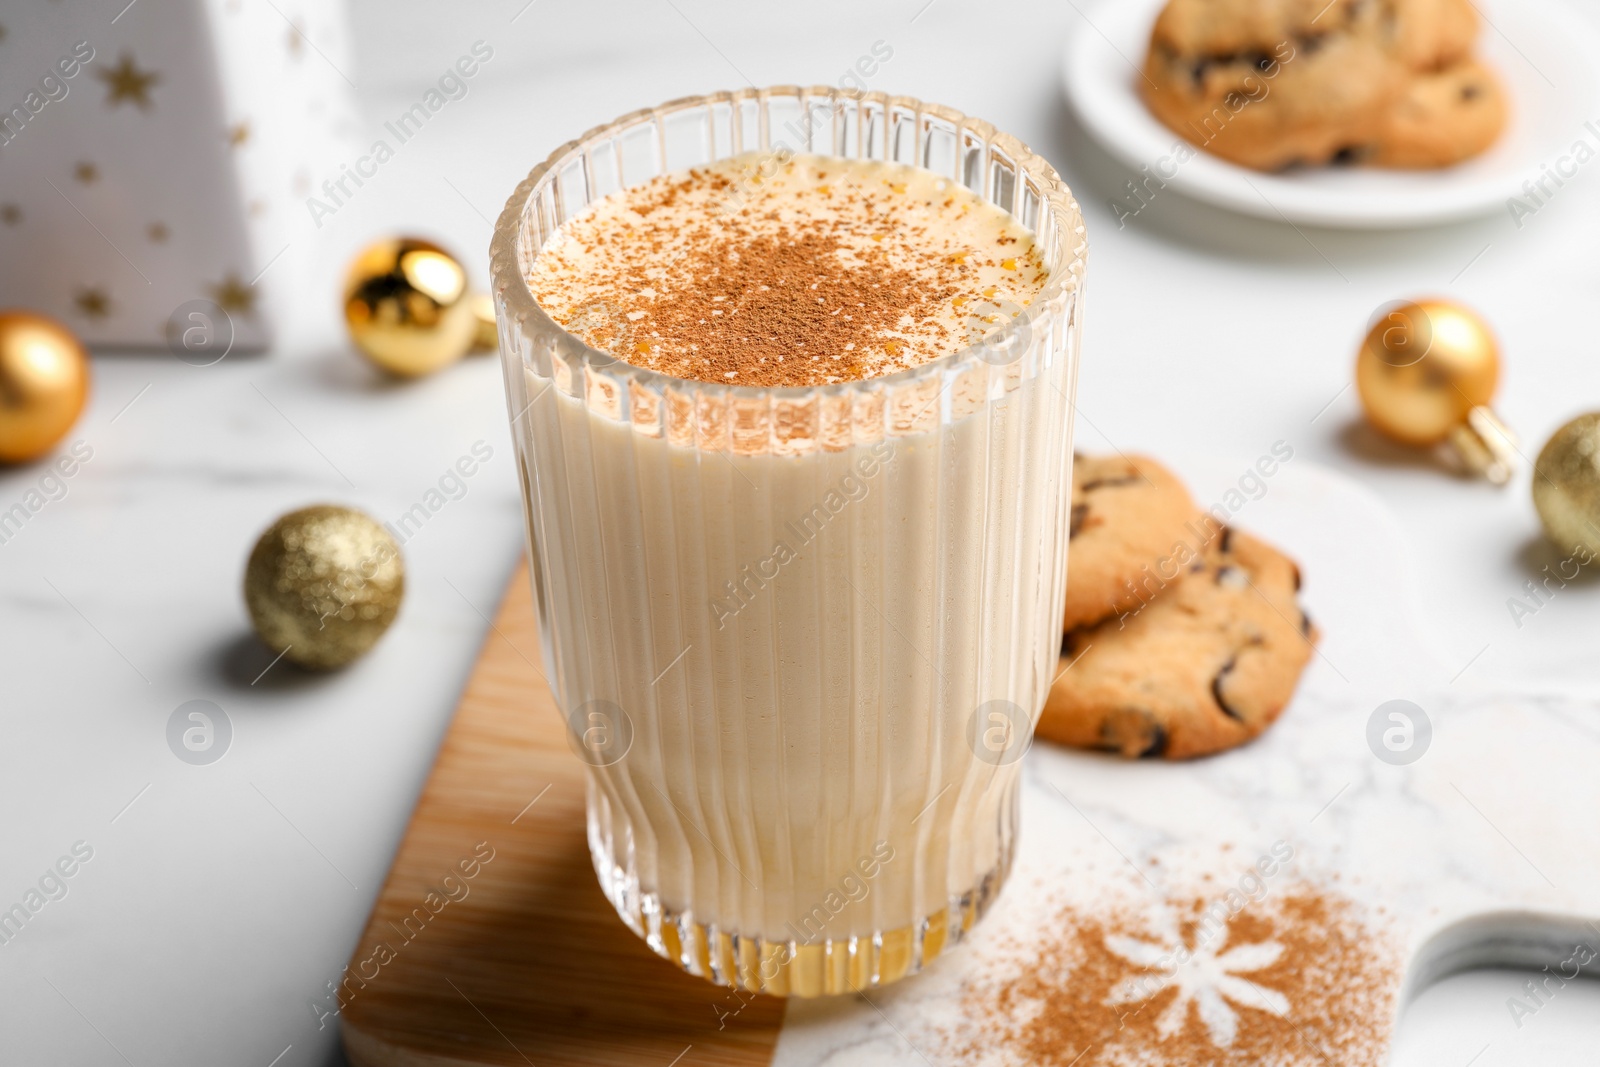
x=759, y=270
x=1296, y=978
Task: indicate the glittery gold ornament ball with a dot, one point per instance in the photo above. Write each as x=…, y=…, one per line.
x=407, y=306
x=1566, y=487
x=323, y=584
x=44, y=381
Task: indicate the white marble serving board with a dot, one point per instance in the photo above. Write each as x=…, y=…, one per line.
x=1480, y=851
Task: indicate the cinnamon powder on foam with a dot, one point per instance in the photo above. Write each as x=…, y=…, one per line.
x=1337, y=978
x=805, y=272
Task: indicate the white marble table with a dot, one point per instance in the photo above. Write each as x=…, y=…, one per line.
x=220, y=899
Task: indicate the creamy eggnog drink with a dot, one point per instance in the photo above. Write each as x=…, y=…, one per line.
x=787, y=271
x=795, y=438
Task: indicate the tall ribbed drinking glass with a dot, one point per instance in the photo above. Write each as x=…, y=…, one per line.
x=800, y=635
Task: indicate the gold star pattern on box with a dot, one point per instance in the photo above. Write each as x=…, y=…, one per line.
x=126, y=82
x=234, y=296
x=185, y=217
x=93, y=303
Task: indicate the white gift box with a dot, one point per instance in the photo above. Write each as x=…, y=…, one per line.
x=161, y=156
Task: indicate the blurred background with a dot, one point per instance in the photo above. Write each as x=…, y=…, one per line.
x=222, y=900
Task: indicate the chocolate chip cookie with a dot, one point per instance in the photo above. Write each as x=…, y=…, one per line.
x=1271, y=94
x=1443, y=117
x=1207, y=664
x=1431, y=34
x=1128, y=513
x=1275, y=84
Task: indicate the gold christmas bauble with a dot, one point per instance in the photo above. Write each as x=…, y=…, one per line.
x=1423, y=367
x=44, y=381
x=407, y=307
x=1566, y=487
x=323, y=584
x=1426, y=373
x=488, y=336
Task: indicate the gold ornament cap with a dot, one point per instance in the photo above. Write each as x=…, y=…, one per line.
x=44, y=383
x=1566, y=487
x=323, y=584
x=407, y=306
x=1426, y=372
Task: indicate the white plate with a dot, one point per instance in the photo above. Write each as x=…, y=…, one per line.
x=1546, y=55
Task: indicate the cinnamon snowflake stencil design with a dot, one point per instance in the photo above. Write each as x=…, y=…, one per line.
x=1203, y=975
x=1302, y=977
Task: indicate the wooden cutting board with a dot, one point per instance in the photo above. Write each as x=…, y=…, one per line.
x=491, y=942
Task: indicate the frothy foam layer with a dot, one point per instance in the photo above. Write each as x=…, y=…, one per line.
x=814, y=270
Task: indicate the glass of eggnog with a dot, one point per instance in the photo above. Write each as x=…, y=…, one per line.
x=790, y=374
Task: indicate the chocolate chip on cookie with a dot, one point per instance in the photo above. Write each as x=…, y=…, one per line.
x=1205, y=666
x=1127, y=514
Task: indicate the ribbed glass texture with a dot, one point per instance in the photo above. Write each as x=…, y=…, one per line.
x=800, y=635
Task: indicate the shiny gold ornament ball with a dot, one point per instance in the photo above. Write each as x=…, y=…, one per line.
x=44, y=382
x=407, y=306
x=1566, y=487
x=1426, y=373
x=323, y=584
x=1425, y=365
x=488, y=336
